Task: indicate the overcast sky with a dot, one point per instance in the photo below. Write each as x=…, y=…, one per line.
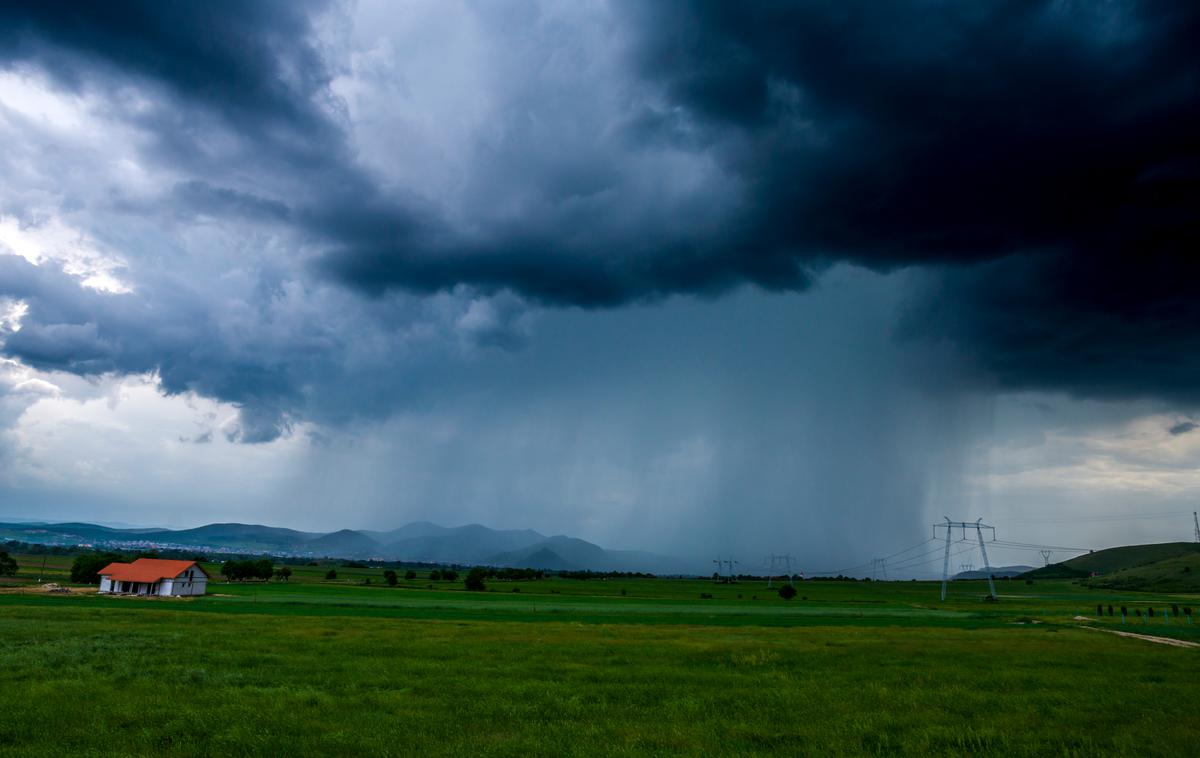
x=684, y=277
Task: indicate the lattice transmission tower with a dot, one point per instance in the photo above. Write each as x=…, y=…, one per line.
x=978, y=526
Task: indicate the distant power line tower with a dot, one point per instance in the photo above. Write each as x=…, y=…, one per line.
x=725, y=562
x=1196, y=522
x=779, y=561
x=978, y=526
x=878, y=569
x=1046, y=555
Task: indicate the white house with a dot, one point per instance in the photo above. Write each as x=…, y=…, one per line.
x=151, y=576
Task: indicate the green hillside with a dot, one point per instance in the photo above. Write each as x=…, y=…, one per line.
x=1178, y=574
x=1131, y=556
x=1168, y=566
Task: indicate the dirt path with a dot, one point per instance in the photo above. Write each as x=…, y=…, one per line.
x=1149, y=638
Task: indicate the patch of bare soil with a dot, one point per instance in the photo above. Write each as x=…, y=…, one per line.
x=1148, y=637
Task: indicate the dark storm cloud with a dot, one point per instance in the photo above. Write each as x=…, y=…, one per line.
x=1041, y=157
x=1053, y=145
x=254, y=62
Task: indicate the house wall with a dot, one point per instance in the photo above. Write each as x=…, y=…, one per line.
x=180, y=586
x=105, y=584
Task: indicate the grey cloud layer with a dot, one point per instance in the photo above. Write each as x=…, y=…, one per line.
x=1042, y=155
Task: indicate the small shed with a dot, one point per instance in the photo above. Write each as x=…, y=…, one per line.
x=152, y=576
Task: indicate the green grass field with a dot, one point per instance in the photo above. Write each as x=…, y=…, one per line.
x=568, y=667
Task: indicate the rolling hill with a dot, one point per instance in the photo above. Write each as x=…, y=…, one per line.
x=1173, y=566
x=999, y=572
x=468, y=544
x=346, y=543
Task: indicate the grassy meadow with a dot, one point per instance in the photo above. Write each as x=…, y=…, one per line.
x=570, y=667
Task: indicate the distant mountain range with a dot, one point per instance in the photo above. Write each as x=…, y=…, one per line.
x=999, y=572
x=420, y=541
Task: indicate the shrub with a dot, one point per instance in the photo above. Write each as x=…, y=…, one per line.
x=410, y=575
x=8, y=564
x=389, y=576
x=787, y=592
x=435, y=576
x=474, y=580
x=331, y=574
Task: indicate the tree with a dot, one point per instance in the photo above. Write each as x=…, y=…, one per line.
x=86, y=568
x=474, y=580
x=410, y=575
x=389, y=576
x=787, y=592
x=449, y=575
x=331, y=574
x=283, y=572
x=8, y=564
x=263, y=569
x=435, y=576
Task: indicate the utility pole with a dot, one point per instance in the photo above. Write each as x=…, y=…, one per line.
x=719, y=563
x=1046, y=555
x=1196, y=521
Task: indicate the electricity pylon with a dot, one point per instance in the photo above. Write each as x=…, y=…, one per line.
x=978, y=526
x=1046, y=555
x=776, y=561
x=881, y=564
x=725, y=562
x=1196, y=521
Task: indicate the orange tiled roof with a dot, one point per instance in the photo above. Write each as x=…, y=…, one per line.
x=147, y=570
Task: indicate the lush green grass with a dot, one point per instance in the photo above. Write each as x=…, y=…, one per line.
x=574, y=667
x=112, y=680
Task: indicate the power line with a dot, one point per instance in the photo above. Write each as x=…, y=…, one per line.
x=1096, y=519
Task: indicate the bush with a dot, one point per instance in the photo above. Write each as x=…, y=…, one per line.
x=448, y=575
x=435, y=576
x=410, y=575
x=787, y=592
x=331, y=574
x=474, y=580
x=389, y=576
x=8, y=564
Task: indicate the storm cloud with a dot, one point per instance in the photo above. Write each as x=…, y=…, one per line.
x=1038, y=160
